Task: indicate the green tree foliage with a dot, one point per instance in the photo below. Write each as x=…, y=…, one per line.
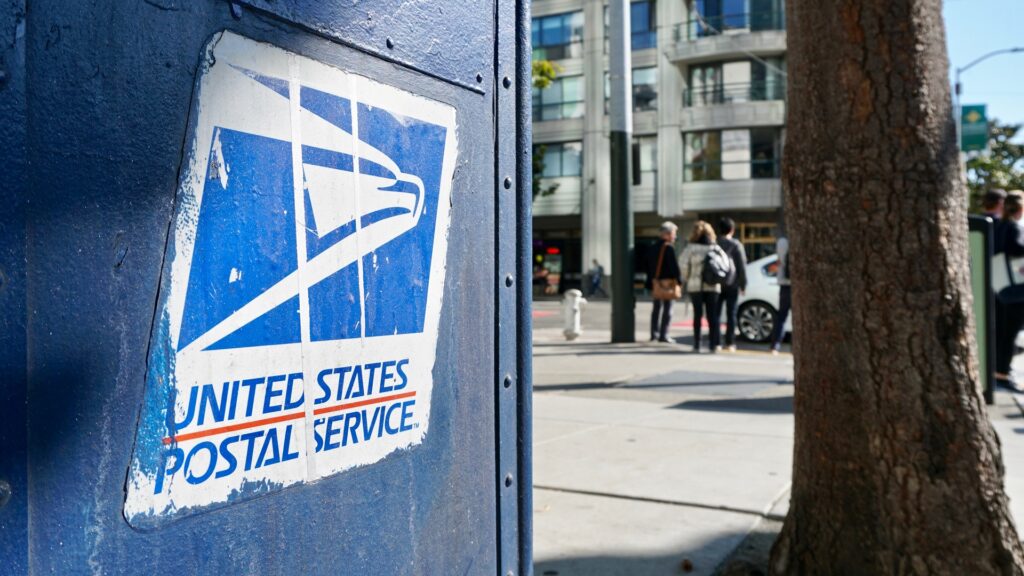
x=1002, y=166
x=544, y=72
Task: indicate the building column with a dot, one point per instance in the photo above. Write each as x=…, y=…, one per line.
x=669, y=195
x=595, y=198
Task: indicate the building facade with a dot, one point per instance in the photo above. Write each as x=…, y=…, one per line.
x=709, y=111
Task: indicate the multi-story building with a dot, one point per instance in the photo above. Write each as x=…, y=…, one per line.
x=709, y=110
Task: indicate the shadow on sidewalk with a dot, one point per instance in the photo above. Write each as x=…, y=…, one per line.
x=602, y=349
x=705, y=560
x=679, y=346
x=771, y=405
x=575, y=386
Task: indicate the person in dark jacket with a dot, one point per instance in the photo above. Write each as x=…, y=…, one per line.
x=665, y=253
x=733, y=286
x=992, y=204
x=1009, y=238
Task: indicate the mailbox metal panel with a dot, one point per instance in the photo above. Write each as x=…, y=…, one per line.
x=111, y=85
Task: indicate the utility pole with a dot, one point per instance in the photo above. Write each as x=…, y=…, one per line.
x=621, y=116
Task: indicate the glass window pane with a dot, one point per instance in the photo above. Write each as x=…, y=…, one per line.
x=552, y=32
x=734, y=15
x=645, y=89
x=552, y=160
x=574, y=23
x=704, y=156
x=553, y=93
x=735, y=154
x=572, y=161
x=648, y=153
x=572, y=89
x=764, y=152
x=572, y=110
x=638, y=14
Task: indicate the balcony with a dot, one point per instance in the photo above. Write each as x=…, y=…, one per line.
x=729, y=36
x=725, y=106
x=753, y=169
x=734, y=93
x=564, y=201
x=558, y=51
x=714, y=195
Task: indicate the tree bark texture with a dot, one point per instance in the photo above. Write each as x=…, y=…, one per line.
x=896, y=467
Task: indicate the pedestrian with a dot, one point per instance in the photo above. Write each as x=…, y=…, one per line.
x=785, y=295
x=663, y=280
x=1009, y=239
x=992, y=204
x=703, y=296
x=596, y=274
x=736, y=284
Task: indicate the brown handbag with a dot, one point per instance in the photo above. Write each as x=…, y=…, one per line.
x=667, y=289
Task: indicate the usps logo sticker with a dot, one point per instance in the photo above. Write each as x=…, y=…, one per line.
x=297, y=325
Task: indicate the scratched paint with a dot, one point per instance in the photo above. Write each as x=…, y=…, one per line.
x=297, y=326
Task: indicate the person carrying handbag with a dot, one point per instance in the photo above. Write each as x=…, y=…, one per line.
x=664, y=281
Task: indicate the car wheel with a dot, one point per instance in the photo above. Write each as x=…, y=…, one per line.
x=756, y=320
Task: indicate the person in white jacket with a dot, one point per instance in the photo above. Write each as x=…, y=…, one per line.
x=704, y=297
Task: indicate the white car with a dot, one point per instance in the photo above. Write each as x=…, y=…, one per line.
x=759, y=306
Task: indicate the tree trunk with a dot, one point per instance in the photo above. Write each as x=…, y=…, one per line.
x=896, y=467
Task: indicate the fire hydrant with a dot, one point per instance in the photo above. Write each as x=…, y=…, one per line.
x=572, y=303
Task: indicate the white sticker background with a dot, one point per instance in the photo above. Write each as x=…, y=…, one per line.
x=258, y=329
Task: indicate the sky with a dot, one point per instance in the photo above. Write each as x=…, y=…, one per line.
x=976, y=27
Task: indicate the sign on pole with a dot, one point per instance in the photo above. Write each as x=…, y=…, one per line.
x=973, y=128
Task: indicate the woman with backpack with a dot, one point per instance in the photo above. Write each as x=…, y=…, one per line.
x=704, y=266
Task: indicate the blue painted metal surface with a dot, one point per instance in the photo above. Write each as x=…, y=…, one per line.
x=96, y=99
x=13, y=199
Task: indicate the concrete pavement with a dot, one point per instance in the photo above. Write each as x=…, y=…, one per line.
x=649, y=459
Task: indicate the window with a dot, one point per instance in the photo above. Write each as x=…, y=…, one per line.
x=731, y=82
x=712, y=17
x=768, y=79
x=563, y=98
x=643, y=25
x=703, y=156
x=648, y=165
x=720, y=16
x=563, y=159
x=732, y=154
x=758, y=239
x=645, y=89
x=764, y=152
x=705, y=85
x=557, y=37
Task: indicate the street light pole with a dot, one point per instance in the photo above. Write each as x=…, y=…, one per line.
x=620, y=112
x=958, y=88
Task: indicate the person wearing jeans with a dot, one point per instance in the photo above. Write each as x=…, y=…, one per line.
x=734, y=285
x=662, y=265
x=703, y=296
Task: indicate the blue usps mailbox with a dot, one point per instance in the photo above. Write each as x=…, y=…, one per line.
x=260, y=288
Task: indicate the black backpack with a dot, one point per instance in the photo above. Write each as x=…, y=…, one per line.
x=718, y=267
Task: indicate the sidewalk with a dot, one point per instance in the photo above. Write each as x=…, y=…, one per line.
x=648, y=457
